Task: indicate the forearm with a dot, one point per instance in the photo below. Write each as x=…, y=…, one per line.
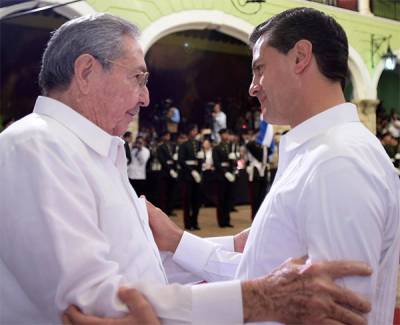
x=212, y=263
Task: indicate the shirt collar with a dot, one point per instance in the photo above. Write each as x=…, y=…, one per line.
x=339, y=114
x=93, y=136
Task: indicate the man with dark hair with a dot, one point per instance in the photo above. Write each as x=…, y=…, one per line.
x=257, y=172
x=225, y=179
x=219, y=121
x=137, y=169
x=169, y=173
x=287, y=28
x=190, y=162
x=336, y=193
x=127, y=137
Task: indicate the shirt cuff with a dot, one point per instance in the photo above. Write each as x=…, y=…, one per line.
x=226, y=242
x=217, y=303
x=189, y=246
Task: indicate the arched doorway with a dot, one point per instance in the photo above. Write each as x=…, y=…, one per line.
x=195, y=68
x=26, y=37
x=389, y=90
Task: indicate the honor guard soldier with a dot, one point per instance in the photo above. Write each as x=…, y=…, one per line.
x=234, y=156
x=259, y=174
x=169, y=173
x=190, y=163
x=153, y=172
x=225, y=178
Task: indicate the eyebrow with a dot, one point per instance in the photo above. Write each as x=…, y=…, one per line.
x=254, y=64
x=142, y=68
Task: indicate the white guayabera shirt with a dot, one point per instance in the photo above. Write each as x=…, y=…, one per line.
x=336, y=196
x=72, y=230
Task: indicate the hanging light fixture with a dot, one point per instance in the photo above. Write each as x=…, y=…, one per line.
x=390, y=59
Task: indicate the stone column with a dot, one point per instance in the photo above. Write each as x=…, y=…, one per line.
x=363, y=7
x=367, y=112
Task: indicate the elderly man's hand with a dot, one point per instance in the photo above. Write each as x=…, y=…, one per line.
x=166, y=233
x=141, y=312
x=298, y=293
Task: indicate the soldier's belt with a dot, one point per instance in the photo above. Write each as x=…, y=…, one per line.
x=225, y=164
x=191, y=162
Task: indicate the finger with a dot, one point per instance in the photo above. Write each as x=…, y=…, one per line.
x=66, y=320
x=132, y=298
x=348, y=298
x=338, y=269
x=76, y=317
x=72, y=311
x=331, y=322
x=299, y=260
x=346, y=316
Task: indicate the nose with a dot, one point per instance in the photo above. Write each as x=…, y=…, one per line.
x=254, y=87
x=144, y=97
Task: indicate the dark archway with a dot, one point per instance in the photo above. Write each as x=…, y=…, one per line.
x=194, y=68
x=23, y=41
x=389, y=90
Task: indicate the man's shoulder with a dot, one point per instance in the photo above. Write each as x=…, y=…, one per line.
x=346, y=149
x=36, y=130
x=30, y=127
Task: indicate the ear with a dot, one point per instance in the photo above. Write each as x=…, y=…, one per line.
x=303, y=55
x=84, y=68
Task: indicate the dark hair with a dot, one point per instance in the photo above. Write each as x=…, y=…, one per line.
x=164, y=133
x=127, y=134
x=328, y=39
x=222, y=131
x=191, y=127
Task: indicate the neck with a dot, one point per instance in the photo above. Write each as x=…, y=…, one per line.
x=316, y=99
x=73, y=99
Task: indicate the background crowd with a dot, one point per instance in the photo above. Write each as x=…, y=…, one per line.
x=388, y=131
x=180, y=165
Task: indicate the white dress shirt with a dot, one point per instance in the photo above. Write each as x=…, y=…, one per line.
x=137, y=167
x=219, y=123
x=336, y=196
x=73, y=230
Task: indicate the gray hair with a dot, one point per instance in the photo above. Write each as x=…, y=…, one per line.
x=99, y=35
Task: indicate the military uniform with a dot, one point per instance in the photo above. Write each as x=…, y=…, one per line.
x=168, y=176
x=259, y=174
x=191, y=179
x=225, y=178
x=153, y=176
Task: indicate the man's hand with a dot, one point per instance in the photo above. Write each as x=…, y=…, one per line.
x=165, y=232
x=298, y=293
x=240, y=239
x=140, y=310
